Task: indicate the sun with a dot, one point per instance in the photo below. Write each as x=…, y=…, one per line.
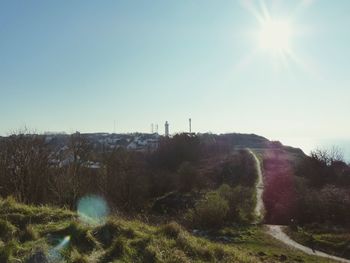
x=275, y=35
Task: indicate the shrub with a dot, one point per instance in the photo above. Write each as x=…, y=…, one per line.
x=187, y=177
x=211, y=212
x=176, y=150
x=329, y=204
x=241, y=202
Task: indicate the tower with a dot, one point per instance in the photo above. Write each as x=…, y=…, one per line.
x=190, y=124
x=166, y=129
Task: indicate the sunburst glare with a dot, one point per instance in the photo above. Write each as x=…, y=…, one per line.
x=275, y=35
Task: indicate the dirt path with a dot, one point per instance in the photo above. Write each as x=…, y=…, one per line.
x=276, y=231
x=259, y=208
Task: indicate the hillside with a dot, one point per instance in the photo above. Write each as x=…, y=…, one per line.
x=192, y=198
x=44, y=234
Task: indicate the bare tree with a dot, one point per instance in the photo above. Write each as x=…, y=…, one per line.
x=124, y=180
x=78, y=155
x=328, y=156
x=24, y=167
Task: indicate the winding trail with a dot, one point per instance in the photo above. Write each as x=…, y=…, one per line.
x=259, y=208
x=276, y=231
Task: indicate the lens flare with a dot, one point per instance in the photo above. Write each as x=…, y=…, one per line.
x=54, y=253
x=63, y=243
x=92, y=210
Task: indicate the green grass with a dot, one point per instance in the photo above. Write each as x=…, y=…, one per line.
x=262, y=246
x=332, y=240
x=29, y=232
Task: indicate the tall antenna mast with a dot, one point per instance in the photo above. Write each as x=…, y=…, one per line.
x=190, y=124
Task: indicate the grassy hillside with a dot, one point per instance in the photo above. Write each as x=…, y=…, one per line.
x=44, y=234
x=332, y=240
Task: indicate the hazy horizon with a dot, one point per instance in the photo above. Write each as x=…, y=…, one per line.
x=305, y=144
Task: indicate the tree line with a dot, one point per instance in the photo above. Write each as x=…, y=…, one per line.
x=34, y=171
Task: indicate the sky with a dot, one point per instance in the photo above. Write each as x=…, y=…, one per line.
x=85, y=65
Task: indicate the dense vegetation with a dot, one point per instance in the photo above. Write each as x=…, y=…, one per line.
x=187, y=178
x=313, y=189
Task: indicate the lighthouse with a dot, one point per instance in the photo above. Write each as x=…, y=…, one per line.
x=166, y=129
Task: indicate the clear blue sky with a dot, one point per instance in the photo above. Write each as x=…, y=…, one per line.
x=80, y=65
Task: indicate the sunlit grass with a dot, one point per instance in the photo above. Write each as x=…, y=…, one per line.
x=34, y=232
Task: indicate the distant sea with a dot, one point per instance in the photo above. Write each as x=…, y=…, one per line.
x=307, y=145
